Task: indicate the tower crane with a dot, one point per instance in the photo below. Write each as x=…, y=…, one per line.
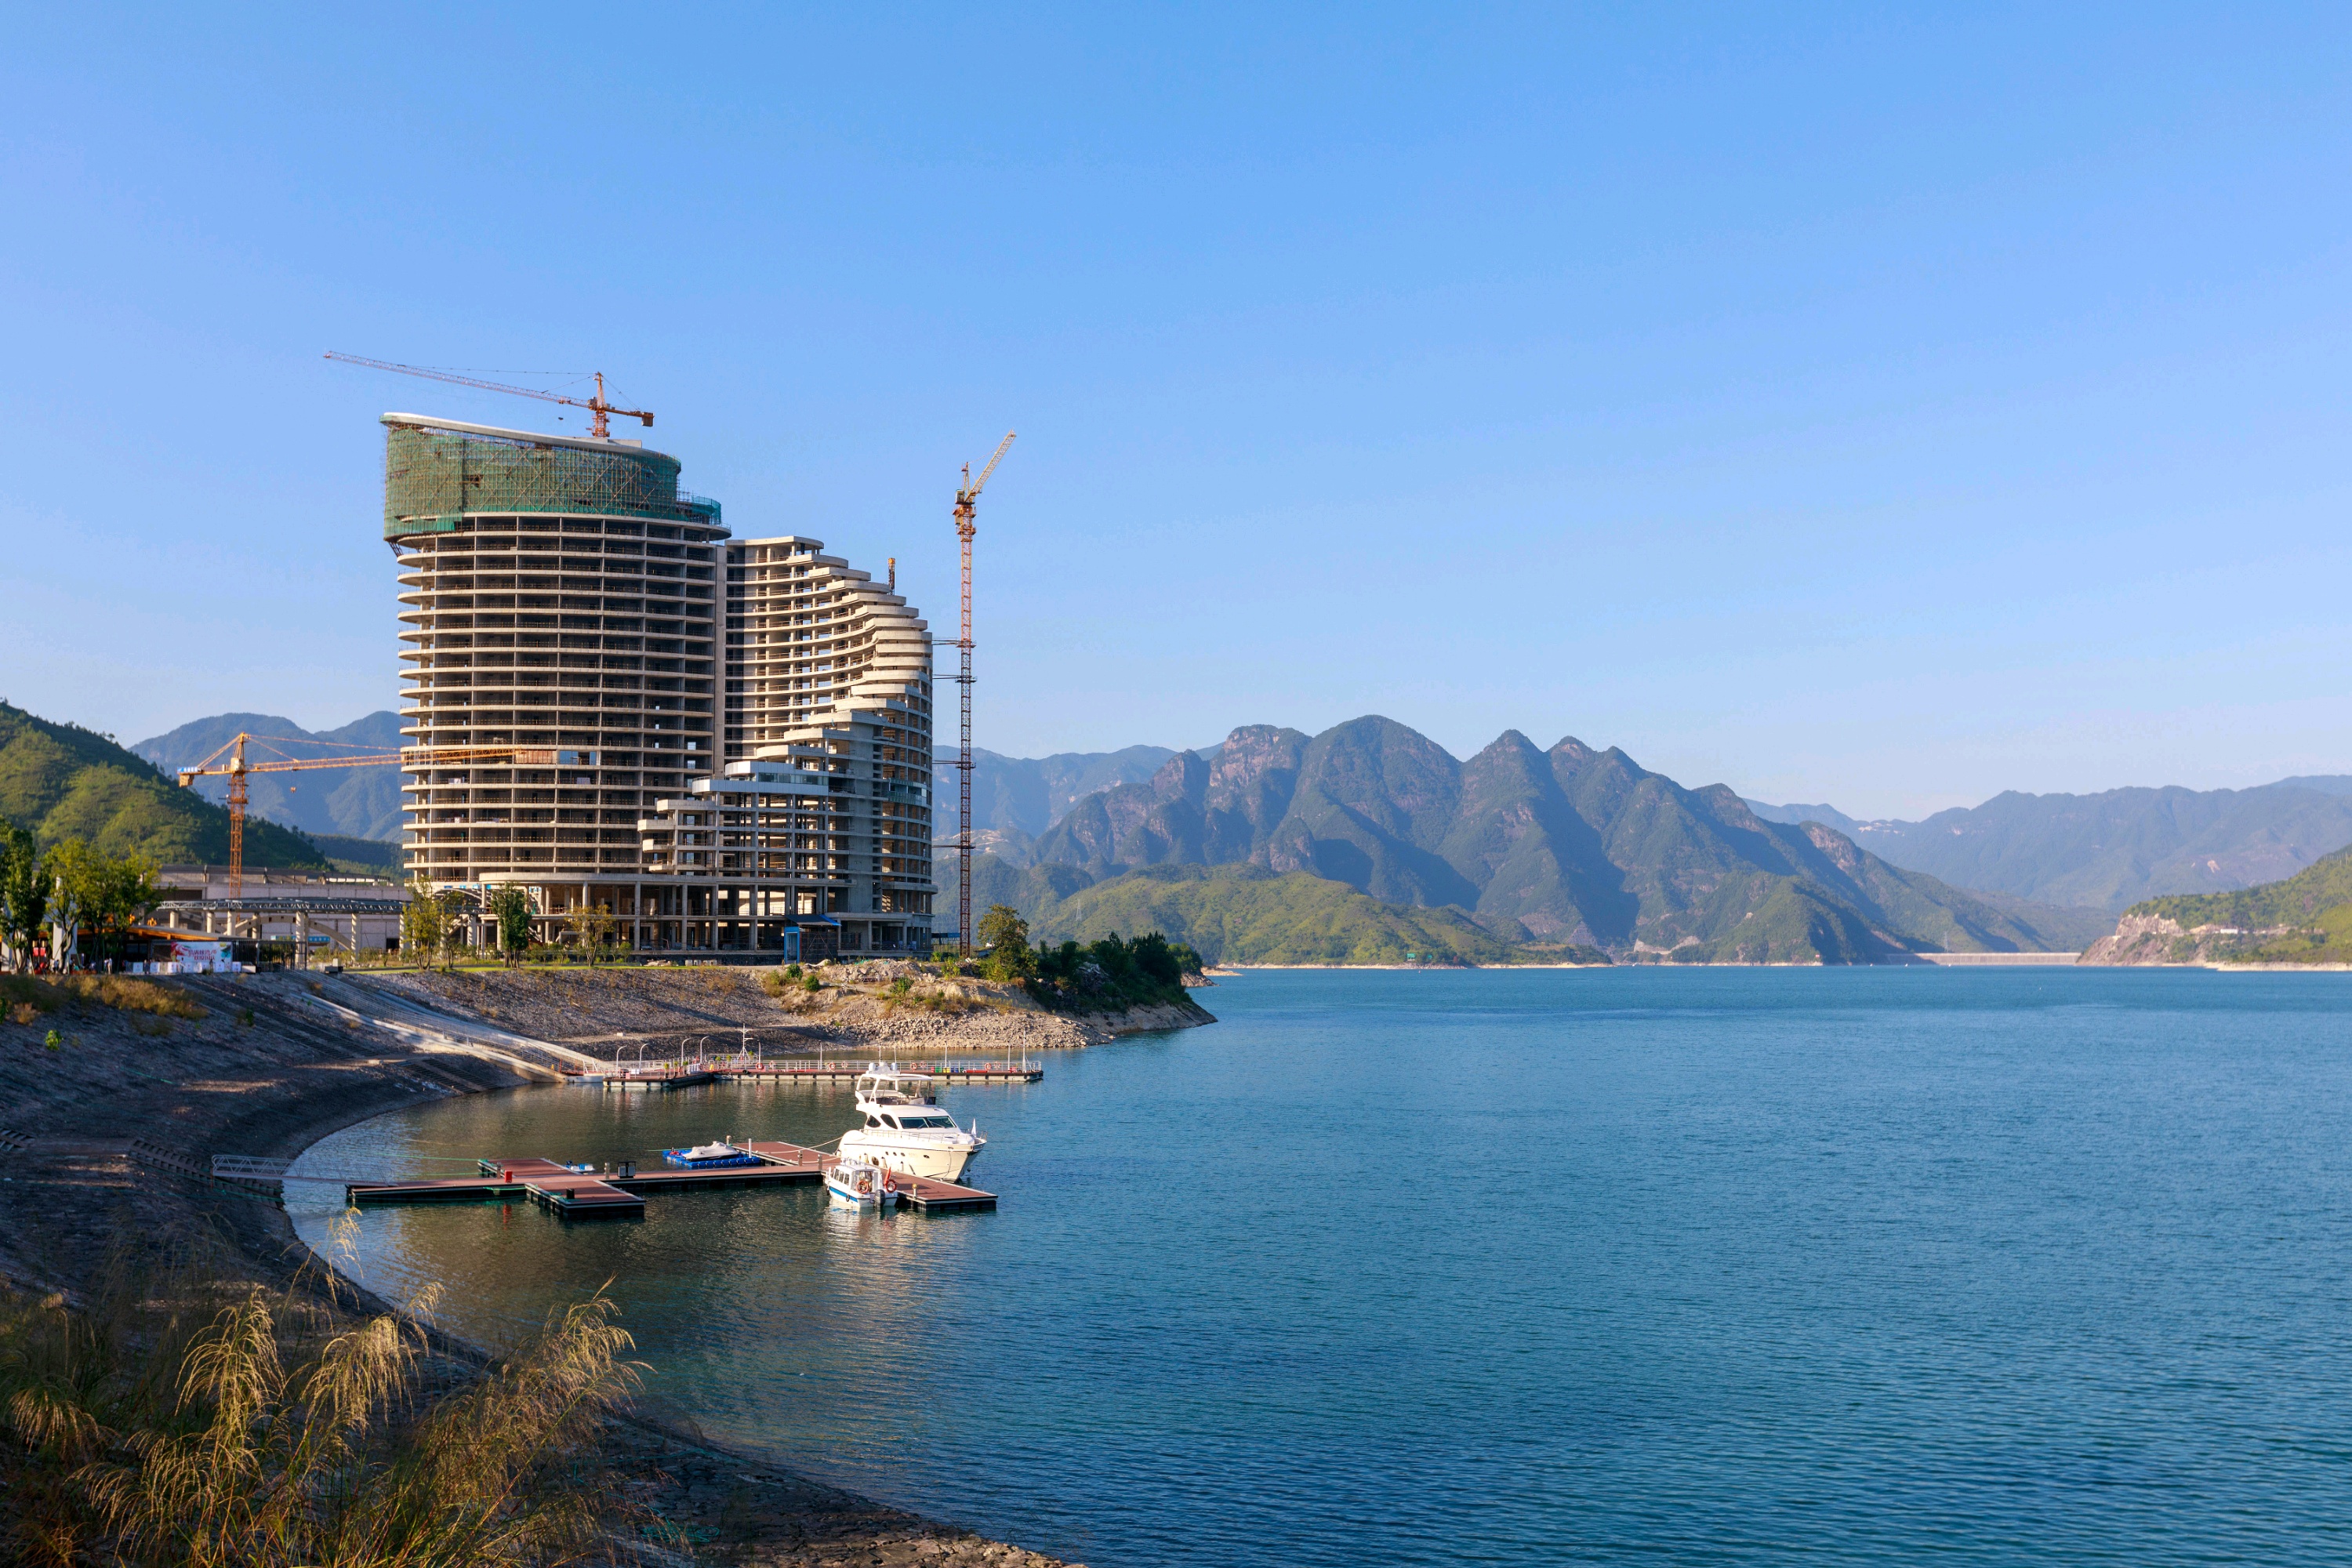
x=596, y=405
x=409, y=759
x=966, y=511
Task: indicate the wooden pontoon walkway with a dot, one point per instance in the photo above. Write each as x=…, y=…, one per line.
x=594, y=1195
x=688, y=1075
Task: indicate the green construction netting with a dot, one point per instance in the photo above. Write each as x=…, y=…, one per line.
x=432, y=477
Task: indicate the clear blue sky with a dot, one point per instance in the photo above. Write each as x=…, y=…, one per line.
x=1840, y=405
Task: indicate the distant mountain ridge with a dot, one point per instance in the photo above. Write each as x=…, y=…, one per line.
x=355, y=803
x=1016, y=798
x=1570, y=848
x=2111, y=850
x=59, y=781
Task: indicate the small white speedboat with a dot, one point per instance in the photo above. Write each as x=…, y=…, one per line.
x=704, y=1155
x=859, y=1182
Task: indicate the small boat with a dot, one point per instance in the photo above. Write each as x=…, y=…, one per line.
x=856, y=1182
x=707, y=1156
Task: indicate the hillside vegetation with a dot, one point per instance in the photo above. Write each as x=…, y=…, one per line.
x=61, y=782
x=1560, y=850
x=2305, y=919
x=1247, y=914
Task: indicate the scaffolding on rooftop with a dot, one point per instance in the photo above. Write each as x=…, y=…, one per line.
x=432, y=477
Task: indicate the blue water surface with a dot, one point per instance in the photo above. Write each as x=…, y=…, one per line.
x=1721, y=1265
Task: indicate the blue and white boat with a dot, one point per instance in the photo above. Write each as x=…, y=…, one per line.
x=859, y=1181
x=709, y=1157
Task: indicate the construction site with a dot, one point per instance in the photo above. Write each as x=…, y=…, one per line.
x=673, y=740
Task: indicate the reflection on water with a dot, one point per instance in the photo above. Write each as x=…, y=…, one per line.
x=733, y=1295
x=1646, y=1267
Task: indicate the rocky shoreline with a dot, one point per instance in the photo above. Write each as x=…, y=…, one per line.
x=2159, y=940
x=108, y=1139
x=876, y=1007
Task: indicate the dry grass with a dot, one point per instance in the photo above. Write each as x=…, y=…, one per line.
x=188, y=1420
x=123, y=993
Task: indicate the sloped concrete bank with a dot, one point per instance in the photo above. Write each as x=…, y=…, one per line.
x=103, y=1142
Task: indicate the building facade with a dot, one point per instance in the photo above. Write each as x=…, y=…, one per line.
x=822, y=810
x=720, y=748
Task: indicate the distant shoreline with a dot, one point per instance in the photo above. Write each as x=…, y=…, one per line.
x=1990, y=961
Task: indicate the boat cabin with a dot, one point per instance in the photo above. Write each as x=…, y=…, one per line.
x=879, y=1085
x=909, y=1119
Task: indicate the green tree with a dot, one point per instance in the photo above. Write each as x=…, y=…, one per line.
x=24, y=896
x=73, y=873
x=1003, y=926
x=510, y=908
x=1005, y=935
x=425, y=923
x=590, y=926
x=121, y=891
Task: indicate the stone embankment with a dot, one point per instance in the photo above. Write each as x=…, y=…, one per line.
x=106, y=1140
x=880, y=1006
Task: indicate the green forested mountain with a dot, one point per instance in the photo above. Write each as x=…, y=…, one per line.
x=2300, y=899
x=63, y=781
x=1566, y=847
x=2305, y=919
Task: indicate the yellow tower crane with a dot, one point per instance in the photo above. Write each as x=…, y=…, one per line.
x=410, y=759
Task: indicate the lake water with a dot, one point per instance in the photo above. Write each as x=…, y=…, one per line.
x=1643, y=1266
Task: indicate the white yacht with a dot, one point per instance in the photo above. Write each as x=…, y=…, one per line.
x=903, y=1128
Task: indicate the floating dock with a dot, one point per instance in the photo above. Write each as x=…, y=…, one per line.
x=687, y=1076
x=607, y=1195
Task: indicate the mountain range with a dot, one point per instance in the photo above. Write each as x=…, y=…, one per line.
x=2102, y=851
x=2110, y=850
x=59, y=781
x=356, y=803
x=1562, y=848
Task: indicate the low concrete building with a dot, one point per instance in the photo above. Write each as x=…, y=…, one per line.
x=309, y=911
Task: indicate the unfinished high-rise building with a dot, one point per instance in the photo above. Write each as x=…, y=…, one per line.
x=722, y=746
x=824, y=806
